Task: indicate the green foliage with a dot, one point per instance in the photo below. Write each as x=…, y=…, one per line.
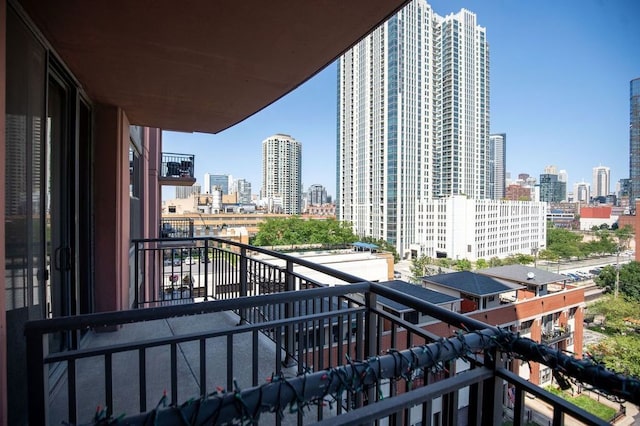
x=419, y=268
x=384, y=245
x=621, y=350
x=588, y=404
x=548, y=255
x=445, y=262
x=619, y=353
x=629, y=280
x=518, y=259
x=615, y=312
x=462, y=265
x=295, y=231
x=481, y=264
x=495, y=261
x=563, y=243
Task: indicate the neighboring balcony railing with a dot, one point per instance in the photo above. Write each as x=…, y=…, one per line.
x=332, y=355
x=177, y=169
x=176, y=228
x=556, y=335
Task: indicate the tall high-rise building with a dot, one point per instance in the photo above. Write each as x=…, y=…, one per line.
x=552, y=190
x=317, y=195
x=497, y=165
x=212, y=181
x=413, y=120
x=282, y=172
x=601, y=181
x=634, y=141
x=242, y=187
x=581, y=192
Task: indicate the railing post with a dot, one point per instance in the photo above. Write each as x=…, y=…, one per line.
x=371, y=337
x=243, y=282
x=206, y=269
x=136, y=278
x=37, y=378
x=492, y=390
x=289, y=330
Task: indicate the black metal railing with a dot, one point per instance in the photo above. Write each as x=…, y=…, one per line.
x=556, y=335
x=176, y=228
x=332, y=355
x=177, y=165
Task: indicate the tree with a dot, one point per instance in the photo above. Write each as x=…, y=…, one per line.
x=462, y=265
x=629, y=279
x=619, y=353
x=481, y=264
x=621, y=350
x=295, y=231
x=495, y=261
x=563, y=243
x=419, y=268
x=384, y=245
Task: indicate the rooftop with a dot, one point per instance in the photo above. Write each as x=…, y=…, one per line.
x=471, y=283
x=414, y=290
x=522, y=274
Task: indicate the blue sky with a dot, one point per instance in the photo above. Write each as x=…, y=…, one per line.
x=560, y=73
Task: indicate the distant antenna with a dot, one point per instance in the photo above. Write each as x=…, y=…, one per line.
x=530, y=275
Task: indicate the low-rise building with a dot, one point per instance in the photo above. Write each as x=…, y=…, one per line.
x=536, y=303
x=461, y=228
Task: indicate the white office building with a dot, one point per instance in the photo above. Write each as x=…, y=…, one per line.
x=458, y=227
x=581, y=192
x=413, y=121
x=282, y=173
x=601, y=181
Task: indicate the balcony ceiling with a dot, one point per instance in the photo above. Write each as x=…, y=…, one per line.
x=200, y=65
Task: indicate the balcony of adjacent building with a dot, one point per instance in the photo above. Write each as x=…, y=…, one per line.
x=556, y=334
x=177, y=169
x=217, y=336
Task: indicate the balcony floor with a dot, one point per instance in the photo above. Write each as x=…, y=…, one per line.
x=90, y=372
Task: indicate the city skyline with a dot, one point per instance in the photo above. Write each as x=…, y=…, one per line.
x=538, y=97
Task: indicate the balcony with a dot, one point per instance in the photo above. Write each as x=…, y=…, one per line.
x=177, y=169
x=176, y=228
x=556, y=335
x=223, y=337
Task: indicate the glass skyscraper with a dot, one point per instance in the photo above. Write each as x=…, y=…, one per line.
x=413, y=121
x=634, y=141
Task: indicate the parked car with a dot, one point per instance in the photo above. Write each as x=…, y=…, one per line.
x=397, y=274
x=190, y=260
x=174, y=262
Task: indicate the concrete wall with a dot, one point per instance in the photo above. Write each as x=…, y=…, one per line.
x=111, y=208
x=369, y=266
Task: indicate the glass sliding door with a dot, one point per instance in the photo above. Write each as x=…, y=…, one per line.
x=60, y=176
x=68, y=200
x=26, y=70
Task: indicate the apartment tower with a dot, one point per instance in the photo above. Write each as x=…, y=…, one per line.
x=413, y=120
x=497, y=164
x=282, y=172
x=634, y=141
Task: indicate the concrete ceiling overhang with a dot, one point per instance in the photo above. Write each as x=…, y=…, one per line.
x=200, y=65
